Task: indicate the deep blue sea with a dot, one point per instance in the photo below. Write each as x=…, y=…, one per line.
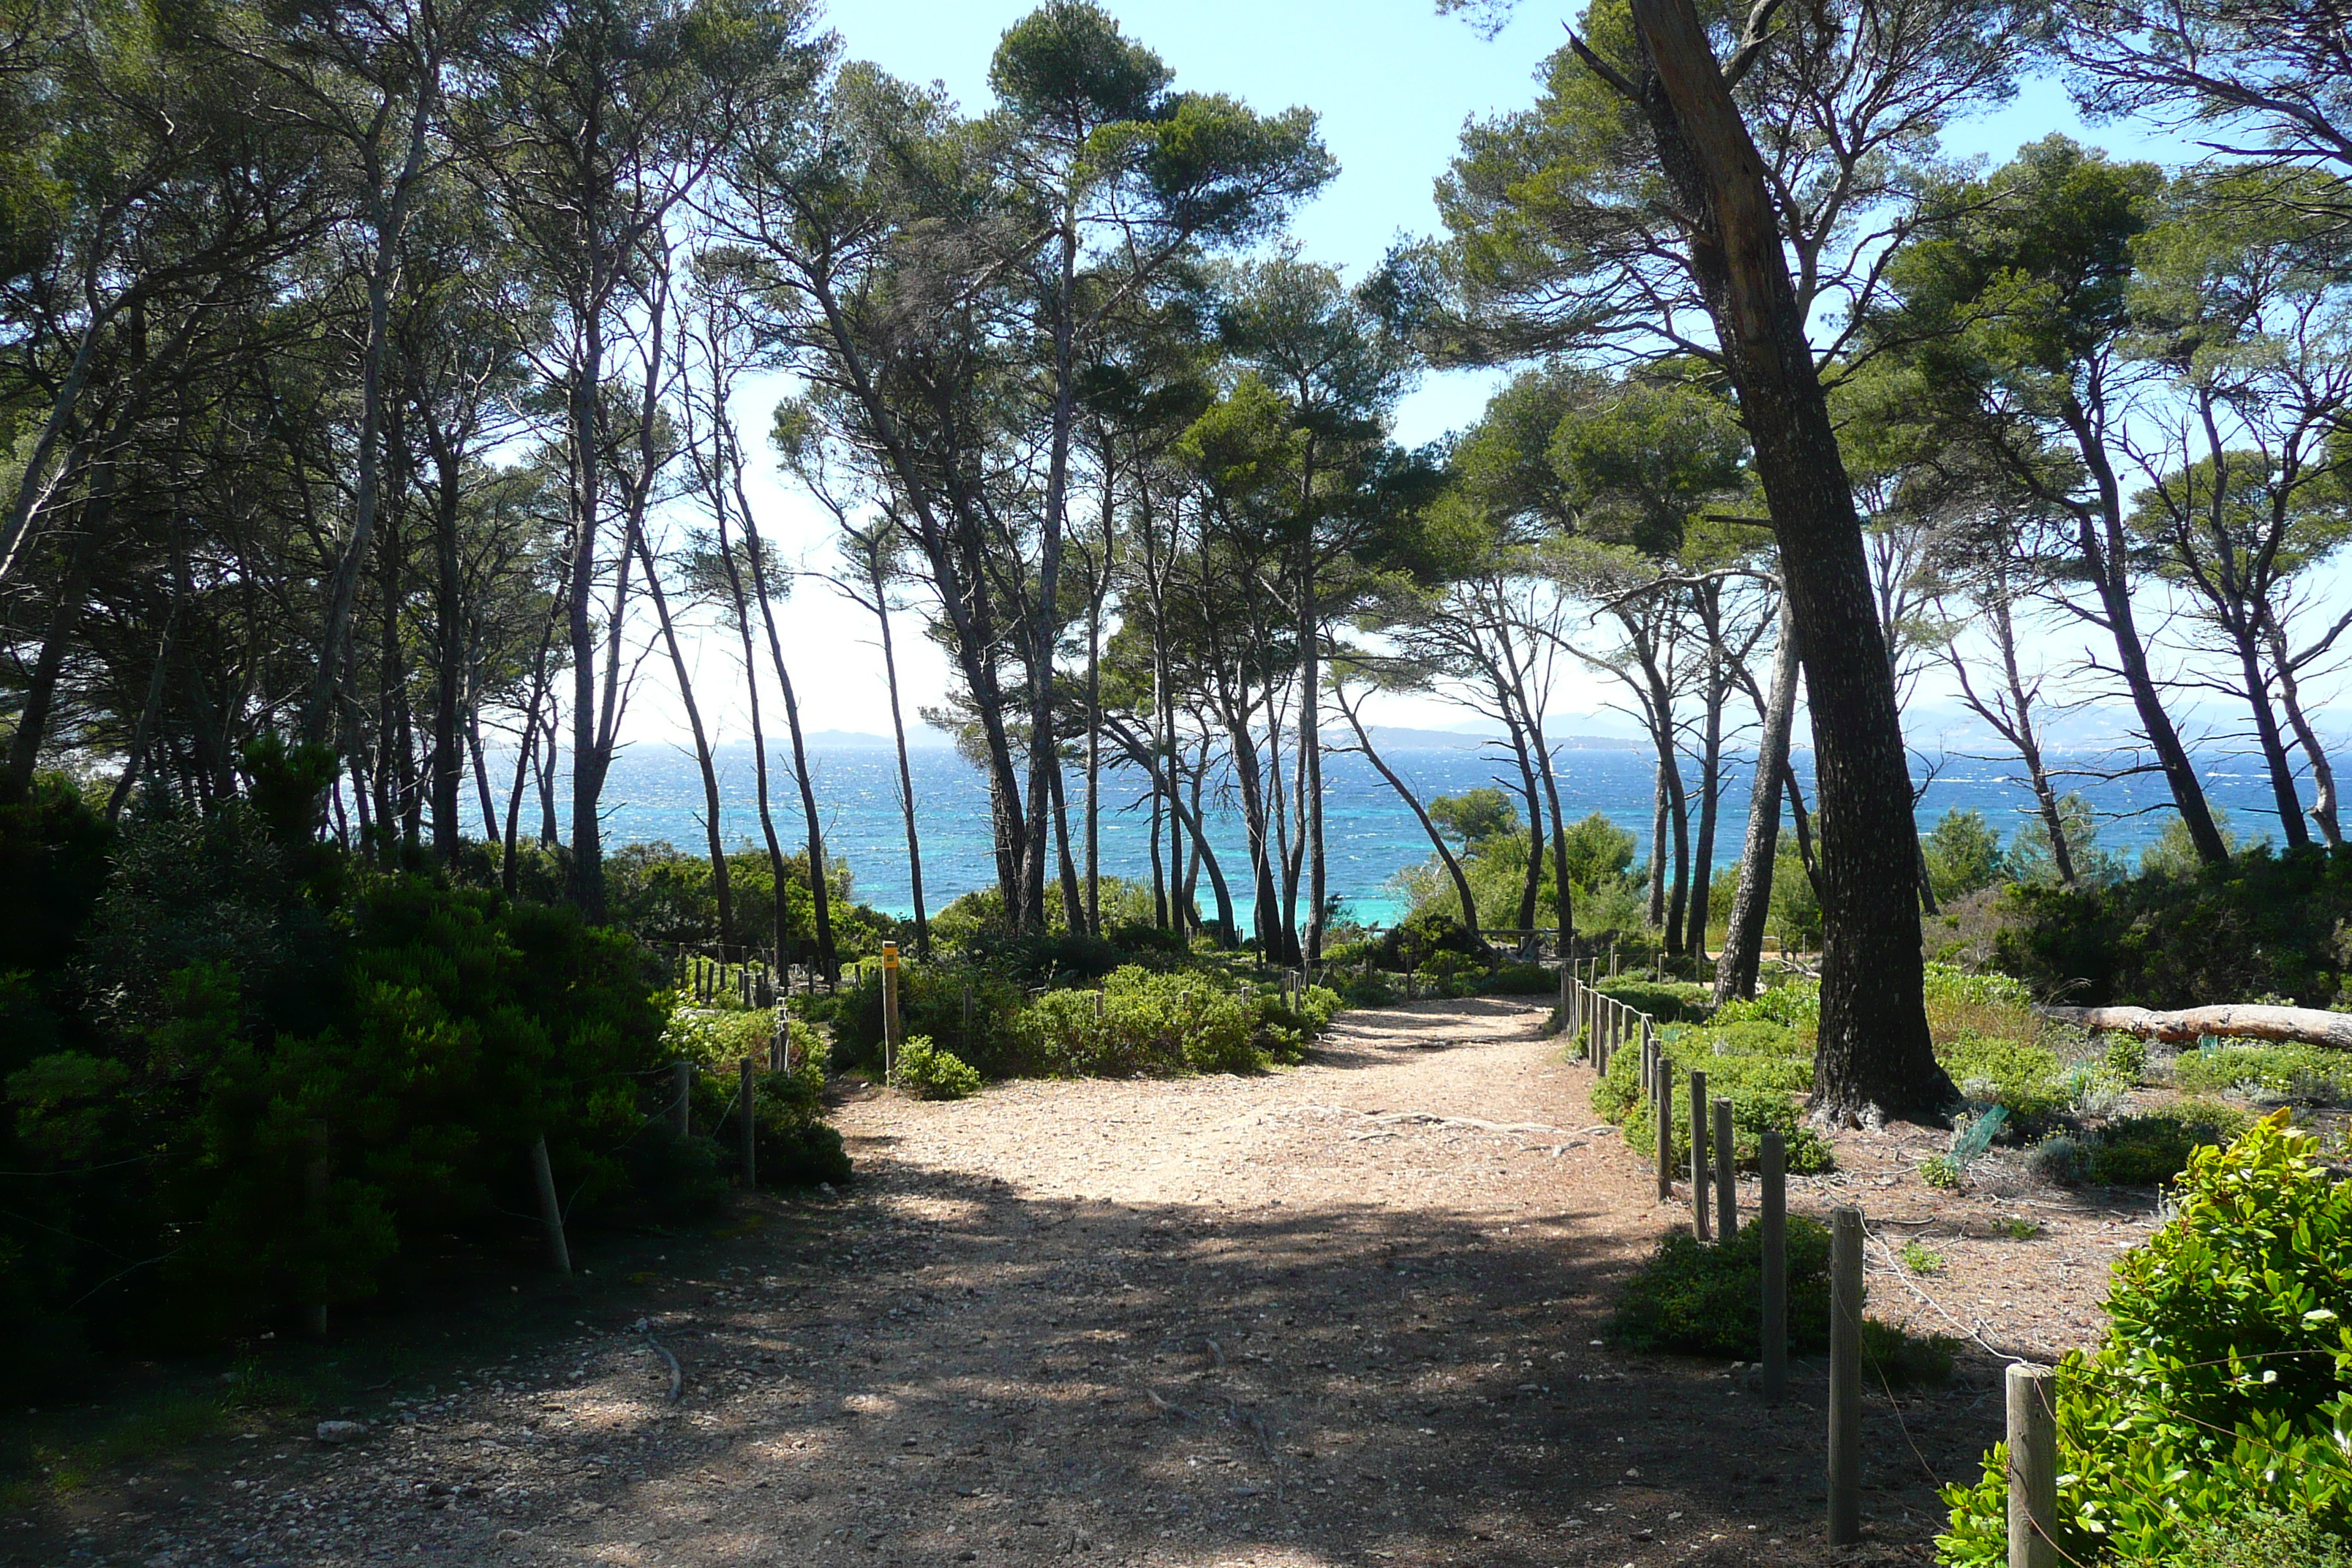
x=655, y=793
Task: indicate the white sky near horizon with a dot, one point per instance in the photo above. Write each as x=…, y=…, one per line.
x=1392, y=84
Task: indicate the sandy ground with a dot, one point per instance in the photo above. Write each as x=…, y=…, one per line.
x=1347, y=1313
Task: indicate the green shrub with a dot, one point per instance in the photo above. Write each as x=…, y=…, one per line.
x=1519, y=980
x=2216, y=1408
x=2309, y=1075
x=2145, y=1150
x=2126, y=1057
x=927, y=1072
x=1905, y=1360
x=1759, y=1037
x=1372, y=990
x=2264, y=923
x=1796, y=1005
x=1146, y=1023
x=930, y=1002
x=2262, y=1540
x=2025, y=1080
x=1421, y=942
x=1703, y=1300
x=1667, y=1001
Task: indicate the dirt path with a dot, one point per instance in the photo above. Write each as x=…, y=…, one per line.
x=1347, y=1313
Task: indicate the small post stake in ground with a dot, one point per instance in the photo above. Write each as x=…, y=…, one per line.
x=2032, y=1467
x=681, y=1113
x=1662, y=1111
x=550, y=1208
x=1727, y=1179
x=890, y=1041
x=1845, y=1377
x=967, y=1006
x=1772, y=1213
x=1698, y=1155
x=746, y=1108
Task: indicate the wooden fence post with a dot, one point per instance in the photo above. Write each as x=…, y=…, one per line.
x=681, y=1114
x=1699, y=1167
x=1845, y=1378
x=1566, y=1000
x=1727, y=1176
x=967, y=1006
x=1662, y=1111
x=890, y=1041
x=748, y=1109
x=2032, y=1467
x=1772, y=1213
x=551, y=1207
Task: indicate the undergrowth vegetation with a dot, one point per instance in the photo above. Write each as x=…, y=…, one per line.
x=2213, y=1418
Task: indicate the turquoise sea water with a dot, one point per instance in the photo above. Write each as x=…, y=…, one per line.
x=655, y=792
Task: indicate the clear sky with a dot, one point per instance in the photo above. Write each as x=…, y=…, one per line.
x=1392, y=83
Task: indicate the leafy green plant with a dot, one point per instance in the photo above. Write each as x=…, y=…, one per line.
x=1796, y=1005
x=1144, y=1023
x=1707, y=1300
x=2026, y=1080
x=2126, y=1057
x=2217, y=1396
x=1940, y=1171
x=928, y=1072
x=1921, y=1259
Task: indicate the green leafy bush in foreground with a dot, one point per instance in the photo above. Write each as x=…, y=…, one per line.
x=2219, y=1396
x=1705, y=1301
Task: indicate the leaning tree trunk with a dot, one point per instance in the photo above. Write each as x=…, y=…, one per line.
x=1751, y=903
x=1873, y=1049
x=1412, y=802
x=713, y=835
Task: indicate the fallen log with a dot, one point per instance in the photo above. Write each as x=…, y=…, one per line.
x=2305, y=1025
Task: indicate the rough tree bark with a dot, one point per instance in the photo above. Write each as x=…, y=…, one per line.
x=1874, y=1048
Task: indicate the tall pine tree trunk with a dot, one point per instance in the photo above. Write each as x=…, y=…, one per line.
x=1873, y=1049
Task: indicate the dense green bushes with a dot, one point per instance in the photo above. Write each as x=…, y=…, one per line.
x=2217, y=1400
x=251, y=1074
x=2263, y=925
x=1143, y=1022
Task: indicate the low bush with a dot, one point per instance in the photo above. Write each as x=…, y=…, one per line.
x=1667, y=1001
x=1796, y=1005
x=1519, y=980
x=928, y=1072
x=1703, y=1299
x=1357, y=989
x=1420, y=941
x=2215, y=1414
x=2263, y=923
x=1762, y=1092
x=2308, y=1074
x=2263, y=1540
x=930, y=1002
x=1905, y=1360
x=2139, y=1151
x=2027, y=1081
x=1144, y=1023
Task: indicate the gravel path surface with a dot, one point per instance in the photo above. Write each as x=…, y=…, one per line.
x=1349, y=1313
